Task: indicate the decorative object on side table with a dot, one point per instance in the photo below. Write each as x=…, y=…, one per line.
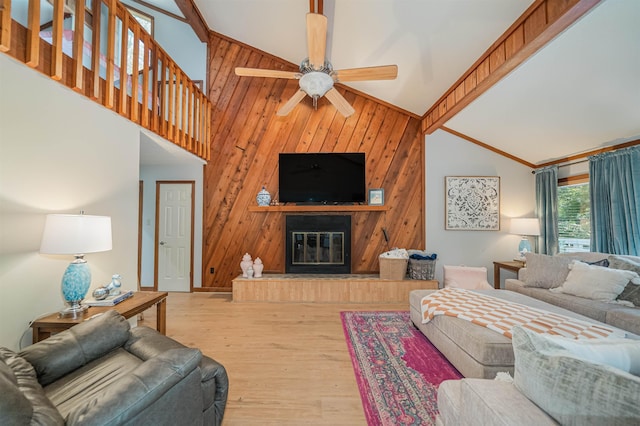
x=263, y=198
x=110, y=290
x=112, y=300
x=472, y=203
x=524, y=226
x=76, y=235
x=257, y=268
x=246, y=264
x=376, y=197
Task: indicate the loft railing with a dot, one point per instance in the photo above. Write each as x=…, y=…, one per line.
x=99, y=50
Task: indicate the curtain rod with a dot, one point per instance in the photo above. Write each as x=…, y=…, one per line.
x=568, y=164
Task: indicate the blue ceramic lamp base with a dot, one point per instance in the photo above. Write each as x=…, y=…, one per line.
x=523, y=247
x=75, y=285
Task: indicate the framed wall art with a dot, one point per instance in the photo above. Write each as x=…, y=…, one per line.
x=472, y=203
x=376, y=197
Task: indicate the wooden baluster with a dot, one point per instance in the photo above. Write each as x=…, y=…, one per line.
x=170, y=101
x=78, y=45
x=201, y=125
x=33, y=34
x=96, y=10
x=56, y=45
x=145, y=81
x=155, y=86
x=124, y=44
x=111, y=48
x=190, y=110
x=164, y=86
x=135, y=74
x=183, y=109
x=5, y=23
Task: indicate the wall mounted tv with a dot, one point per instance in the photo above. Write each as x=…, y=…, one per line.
x=322, y=178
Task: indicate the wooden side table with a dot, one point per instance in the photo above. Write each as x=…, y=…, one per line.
x=509, y=265
x=138, y=303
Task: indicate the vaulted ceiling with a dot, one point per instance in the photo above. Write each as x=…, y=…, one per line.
x=578, y=93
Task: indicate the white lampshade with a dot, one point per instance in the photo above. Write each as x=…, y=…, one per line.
x=525, y=226
x=76, y=234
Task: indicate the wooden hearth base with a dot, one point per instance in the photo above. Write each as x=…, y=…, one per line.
x=321, y=288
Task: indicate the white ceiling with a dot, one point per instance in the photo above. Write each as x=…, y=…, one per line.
x=579, y=93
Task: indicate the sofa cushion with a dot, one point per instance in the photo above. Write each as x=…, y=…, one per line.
x=23, y=400
x=595, y=282
x=546, y=271
x=631, y=292
x=66, y=351
x=147, y=383
x=572, y=390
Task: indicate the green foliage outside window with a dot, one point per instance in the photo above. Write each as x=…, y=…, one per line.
x=574, y=220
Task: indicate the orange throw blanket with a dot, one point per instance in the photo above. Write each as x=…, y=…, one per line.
x=501, y=315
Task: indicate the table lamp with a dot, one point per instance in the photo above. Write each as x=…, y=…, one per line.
x=76, y=235
x=524, y=226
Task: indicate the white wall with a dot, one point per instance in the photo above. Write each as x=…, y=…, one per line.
x=449, y=155
x=59, y=152
x=150, y=175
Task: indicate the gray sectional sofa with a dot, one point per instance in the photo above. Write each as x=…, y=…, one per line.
x=614, y=314
x=479, y=352
x=550, y=386
x=101, y=372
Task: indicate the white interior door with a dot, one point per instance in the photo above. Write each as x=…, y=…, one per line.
x=174, y=236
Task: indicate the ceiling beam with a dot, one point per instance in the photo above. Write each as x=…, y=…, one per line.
x=489, y=147
x=194, y=18
x=536, y=27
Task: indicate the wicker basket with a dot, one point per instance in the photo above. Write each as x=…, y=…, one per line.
x=392, y=268
x=422, y=269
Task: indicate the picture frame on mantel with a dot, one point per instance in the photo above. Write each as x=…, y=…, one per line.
x=376, y=197
x=472, y=203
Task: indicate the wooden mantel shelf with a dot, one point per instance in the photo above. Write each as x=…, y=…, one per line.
x=318, y=208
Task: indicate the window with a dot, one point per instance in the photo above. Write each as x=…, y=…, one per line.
x=146, y=21
x=574, y=218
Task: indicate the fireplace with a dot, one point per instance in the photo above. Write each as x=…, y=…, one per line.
x=318, y=244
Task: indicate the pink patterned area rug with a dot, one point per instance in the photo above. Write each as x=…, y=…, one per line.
x=397, y=369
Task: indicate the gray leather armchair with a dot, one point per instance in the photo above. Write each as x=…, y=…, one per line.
x=101, y=372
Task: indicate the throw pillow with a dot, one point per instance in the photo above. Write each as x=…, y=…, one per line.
x=631, y=292
x=572, y=390
x=623, y=354
x=545, y=271
x=595, y=282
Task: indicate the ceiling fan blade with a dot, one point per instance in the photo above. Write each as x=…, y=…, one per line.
x=339, y=102
x=257, y=72
x=385, y=72
x=316, y=39
x=291, y=103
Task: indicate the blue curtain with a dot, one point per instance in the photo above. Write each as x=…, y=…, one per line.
x=614, y=179
x=547, y=209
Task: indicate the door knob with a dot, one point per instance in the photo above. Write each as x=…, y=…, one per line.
x=162, y=243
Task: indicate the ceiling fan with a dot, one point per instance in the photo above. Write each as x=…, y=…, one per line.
x=317, y=76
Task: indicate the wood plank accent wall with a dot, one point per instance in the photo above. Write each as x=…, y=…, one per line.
x=247, y=137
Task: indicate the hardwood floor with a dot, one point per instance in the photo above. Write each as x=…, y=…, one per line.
x=288, y=363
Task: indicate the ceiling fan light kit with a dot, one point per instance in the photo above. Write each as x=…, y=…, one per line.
x=316, y=76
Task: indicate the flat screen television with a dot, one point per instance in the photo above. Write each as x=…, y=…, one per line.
x=322, y=178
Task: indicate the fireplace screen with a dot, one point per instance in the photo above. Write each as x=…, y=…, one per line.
x=318, y=244
x=317, y=248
